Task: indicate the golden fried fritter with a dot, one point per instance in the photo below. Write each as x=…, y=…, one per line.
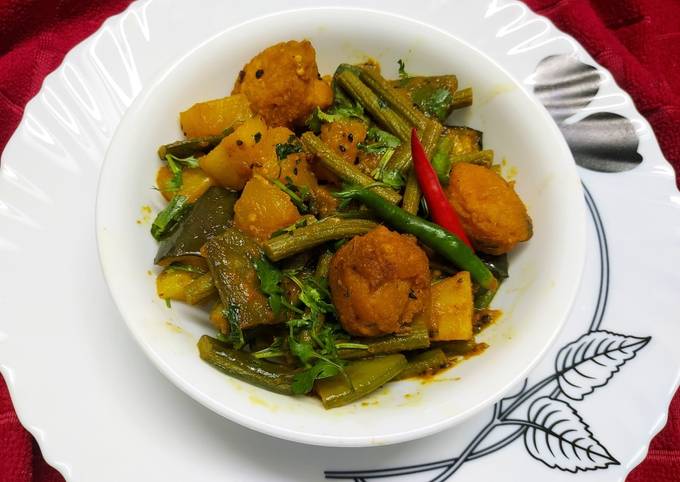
x=282, y=84
x=493, y=215
x=378, y=282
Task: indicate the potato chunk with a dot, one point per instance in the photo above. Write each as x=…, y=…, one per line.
x=231, y=163
x=195, y=182
x=283, y=85
x=263, y=208
x=212, y=117
x=171, y=284
x=378, y=282
x=492, y=213
x=452, y=308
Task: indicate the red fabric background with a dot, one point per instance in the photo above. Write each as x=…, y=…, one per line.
x=637, y=40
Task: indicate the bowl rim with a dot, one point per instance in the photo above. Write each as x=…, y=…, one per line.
x=285, y=433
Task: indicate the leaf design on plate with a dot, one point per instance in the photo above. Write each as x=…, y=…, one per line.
x=564, y=85
x=558, y=437
x=603, y=142
x=592, y=360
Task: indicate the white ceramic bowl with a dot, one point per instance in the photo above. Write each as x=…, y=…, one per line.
x=536, y=299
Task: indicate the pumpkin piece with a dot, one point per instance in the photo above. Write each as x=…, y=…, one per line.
x=214, y=116
x=296, y=168
x=232, y=161
x=263, y=208
x=452, y=308
x=343, y=136
x=195, y=182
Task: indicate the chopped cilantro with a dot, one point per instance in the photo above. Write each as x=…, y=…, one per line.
x=168, y=219
x=402, y=70
x=176, y=164
x=235, y=335
x=290, y=147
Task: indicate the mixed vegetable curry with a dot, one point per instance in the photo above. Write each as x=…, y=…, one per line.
x=335, y=257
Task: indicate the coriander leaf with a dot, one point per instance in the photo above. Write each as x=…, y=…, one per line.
x=384, y=137
x=402, y=70
x=298, y=198
x=168, y=303
x=389, y=177
x=303, y=382
x=304, y=221
x=379, y=141
x=313, y=295
x=175, y=183
x=235, y=336
x=175, y=164
x=290, y=147
x=272, y=351
x=335, y=113
x=270, y=283
x=434, y=102
x=303, y=350
x=169, y=218
x=189, y=162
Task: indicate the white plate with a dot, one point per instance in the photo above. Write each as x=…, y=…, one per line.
x=535, y=300
x=101, y=411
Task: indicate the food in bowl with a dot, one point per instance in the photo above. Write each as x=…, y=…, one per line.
x=335, y=256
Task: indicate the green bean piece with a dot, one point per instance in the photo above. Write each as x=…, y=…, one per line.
x=270, y=376
x=427, y=362
x=430, y=137
x=456, y=348
x=341, y=168
x=376, y=106
x=323, y=266
x=411, y=201
x=482, y=158
x=354, y=214
x=365, y=377
x=200, y=289
x=304, y=238
x=498, y=264
x=462, y=98
x=484, y=298
x=416, y=338
x=401, y=160
x=192, y=146
x=440, y=240
x=442, y=159
x=399, y=102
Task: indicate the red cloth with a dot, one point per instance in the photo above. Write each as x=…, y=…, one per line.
x=637, y=40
